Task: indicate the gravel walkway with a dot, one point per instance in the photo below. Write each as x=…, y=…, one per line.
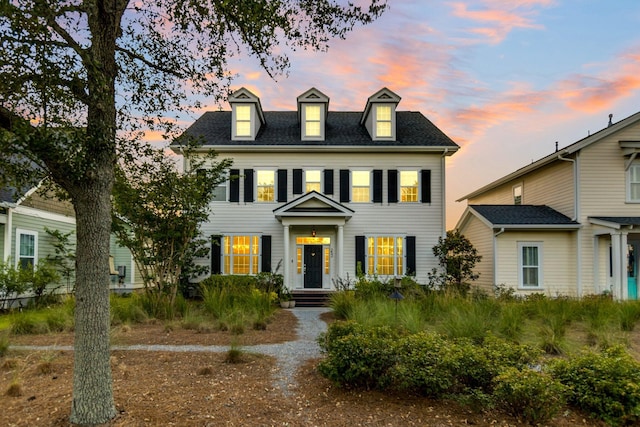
x=290, y=355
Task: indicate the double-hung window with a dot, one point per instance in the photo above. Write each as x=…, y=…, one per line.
x=243, y=120
x=633, y=183
x=313, y=180
x=385, y=255
x=530, y=264
x=409, y=186
x=266, y=185
x=312, y=120
x=383, y=121
x=517, y=194
x=241, y=254
x=361, y=186
x=27, y=248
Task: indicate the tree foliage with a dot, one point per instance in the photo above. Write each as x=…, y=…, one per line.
x=75, y=74
x=457, y=257
x=157, y=213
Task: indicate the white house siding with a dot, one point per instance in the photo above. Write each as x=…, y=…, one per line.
x=482, y=238
x=423, y=220
x=558, y=261
x=551, y=185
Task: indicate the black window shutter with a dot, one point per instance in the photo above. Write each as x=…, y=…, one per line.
x=360, y=255
x=234, y=185
x=328, y=181
x=248, y=185
x=216, y=250
x=344, y=185
x=392, y=191
x=282, y=185
x=377, y=186
x=410, y=243
x=266, y=254
x=297, y=181
x=426, y=185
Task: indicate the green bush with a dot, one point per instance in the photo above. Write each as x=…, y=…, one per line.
x=4, y=343
x=342, y=304
x=127, y=309
x=372, y=287
x=607, y=384
x=26, y=323
x=357, y=356
x=532, y=396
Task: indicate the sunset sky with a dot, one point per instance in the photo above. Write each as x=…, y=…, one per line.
x=505, y=79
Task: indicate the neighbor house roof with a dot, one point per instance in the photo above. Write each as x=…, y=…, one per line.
x=522, y=216
x=343, y=129
x=557, y=156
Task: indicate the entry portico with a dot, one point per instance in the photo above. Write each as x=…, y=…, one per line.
x=313, y=236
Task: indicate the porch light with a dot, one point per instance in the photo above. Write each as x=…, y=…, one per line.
x=313, y=232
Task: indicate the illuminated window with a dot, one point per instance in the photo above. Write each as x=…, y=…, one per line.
x=530, y=263
x=360, y=186
x=299, y=260
x=241, y=254
x=517, y=195
x=266, y=185
x=312, y=120
x=312, y=180
x=383, y=121
x=385, y=255
x=27, y=248
x=408, y=186
x=243, y=120
x=327, y=259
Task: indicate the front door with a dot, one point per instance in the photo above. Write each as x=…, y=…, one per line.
x=312, y=266
x=632, y=272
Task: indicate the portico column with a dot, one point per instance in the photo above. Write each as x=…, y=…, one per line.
x=617, y=265
x=340, y=252
x=624, y=265
x=287, y=260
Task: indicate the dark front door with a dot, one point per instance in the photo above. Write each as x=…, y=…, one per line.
x=313, y=266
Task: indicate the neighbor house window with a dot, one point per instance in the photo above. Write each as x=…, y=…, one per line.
x=385, y=255
x=312, y=120
x=27, y=248
x=312, y=180
x=266, y=185
x=361, y=186
x=530, y=265
x=633, y=183
x=383, y=121
x=408, y=186
x=241, y=254
x=243, y=120
x=517, y=195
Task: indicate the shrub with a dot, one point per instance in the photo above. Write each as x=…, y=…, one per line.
x=342, y=303
x=532, y=396
x=607, y=384
x=26, y=322
x=127, y=309
x=357, y=356
x=628, y=314
x=368, y=287
x=4, y=343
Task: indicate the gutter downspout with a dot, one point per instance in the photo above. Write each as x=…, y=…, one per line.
x=443, y=198
x=495, y=256
x=576, y=214
x=8, y=228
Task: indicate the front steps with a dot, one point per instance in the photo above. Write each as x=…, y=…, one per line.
x=304, y=298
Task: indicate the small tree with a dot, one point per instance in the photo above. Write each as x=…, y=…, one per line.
x=158, y=211
x=457, y=257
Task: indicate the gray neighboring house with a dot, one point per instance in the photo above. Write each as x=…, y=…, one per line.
x=324, y=193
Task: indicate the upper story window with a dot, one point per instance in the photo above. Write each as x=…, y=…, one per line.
x=361, y=186
x=517, y=195
x=266, y=185
x=313, y=180
x=633, y=183
x=383, y=121
x=26, y=248
x=409, y=186
x=312, y=120
x=530, y=264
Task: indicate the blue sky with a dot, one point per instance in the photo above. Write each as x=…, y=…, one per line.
x=505, y=79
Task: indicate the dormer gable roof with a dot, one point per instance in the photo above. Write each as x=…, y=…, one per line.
x=245, y=96
x=383, y=96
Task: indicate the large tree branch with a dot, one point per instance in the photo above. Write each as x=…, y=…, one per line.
x=150, y=64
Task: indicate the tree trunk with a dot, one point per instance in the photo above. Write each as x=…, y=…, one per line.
x=93, y=401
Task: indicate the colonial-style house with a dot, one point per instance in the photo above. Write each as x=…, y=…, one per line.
x=566, y=224
x=323, y=193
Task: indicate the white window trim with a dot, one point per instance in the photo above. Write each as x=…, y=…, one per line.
x=628, y=182
x=370, y=171
x=232, y=255
x=513, y=193
x=304, y=180
x=252, y=118
x=395, y=253
x=303, y=129
x=21, y=232
x=419, y=187
x=540, y=265
x=275, y=184
x=392, y=122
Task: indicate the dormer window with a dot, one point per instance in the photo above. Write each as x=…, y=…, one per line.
x=379, y=115
x=313, y=106
x=246, y=115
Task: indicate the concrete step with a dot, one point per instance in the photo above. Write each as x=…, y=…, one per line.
x=304, y=298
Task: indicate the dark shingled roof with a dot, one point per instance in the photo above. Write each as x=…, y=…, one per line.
x=622, y=220
x=522, y=215
x=282, y=128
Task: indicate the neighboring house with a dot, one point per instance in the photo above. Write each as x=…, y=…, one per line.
x=566, y=224
x=24, y=215
x=323, y=193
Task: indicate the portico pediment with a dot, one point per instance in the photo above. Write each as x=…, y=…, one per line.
x=313, y=204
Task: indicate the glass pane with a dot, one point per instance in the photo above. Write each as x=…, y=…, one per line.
x=635, y=191
x=312, y=129
x=383, y=112
x=27, y=245
x=530, y=276
x=383, y=129
x=409, y=178
x=312, y=112
x=266, y=177
x=299, y=260
x=360, y=178
x=530, y=256
x=327, y=259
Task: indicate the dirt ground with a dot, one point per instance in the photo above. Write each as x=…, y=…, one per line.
x=202, y=389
